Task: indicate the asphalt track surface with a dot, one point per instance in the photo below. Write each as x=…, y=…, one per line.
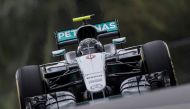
x=172, y=98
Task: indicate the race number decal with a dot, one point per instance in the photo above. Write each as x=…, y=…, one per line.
x=91, y=56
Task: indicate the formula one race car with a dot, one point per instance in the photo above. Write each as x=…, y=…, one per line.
x=94, y=70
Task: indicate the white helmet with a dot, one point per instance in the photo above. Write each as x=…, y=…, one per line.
x=88, y=46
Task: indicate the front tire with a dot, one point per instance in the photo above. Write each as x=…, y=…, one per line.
x=29, y=83
x=157, y=58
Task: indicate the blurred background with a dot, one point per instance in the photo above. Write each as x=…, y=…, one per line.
x=27, y=31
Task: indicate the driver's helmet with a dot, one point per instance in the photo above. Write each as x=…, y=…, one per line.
x=88, y=46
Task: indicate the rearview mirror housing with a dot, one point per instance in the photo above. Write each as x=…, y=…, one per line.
x=57, y=53
x=119, y=40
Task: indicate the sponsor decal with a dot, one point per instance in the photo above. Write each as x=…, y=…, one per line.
x=95, y=81
x=96, y=86
x=71, y=34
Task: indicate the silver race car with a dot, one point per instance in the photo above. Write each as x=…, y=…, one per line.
x=94, y=70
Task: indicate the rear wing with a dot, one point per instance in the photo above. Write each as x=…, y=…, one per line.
x=105, y=29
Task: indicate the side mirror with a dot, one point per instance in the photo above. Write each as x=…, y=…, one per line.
x=119, y=40
x=58, y=53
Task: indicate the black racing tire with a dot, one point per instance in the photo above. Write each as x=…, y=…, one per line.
x=156, y=57
x=29, y=83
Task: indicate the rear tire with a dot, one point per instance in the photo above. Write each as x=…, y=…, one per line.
x=157, y=58
x=29, y=83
